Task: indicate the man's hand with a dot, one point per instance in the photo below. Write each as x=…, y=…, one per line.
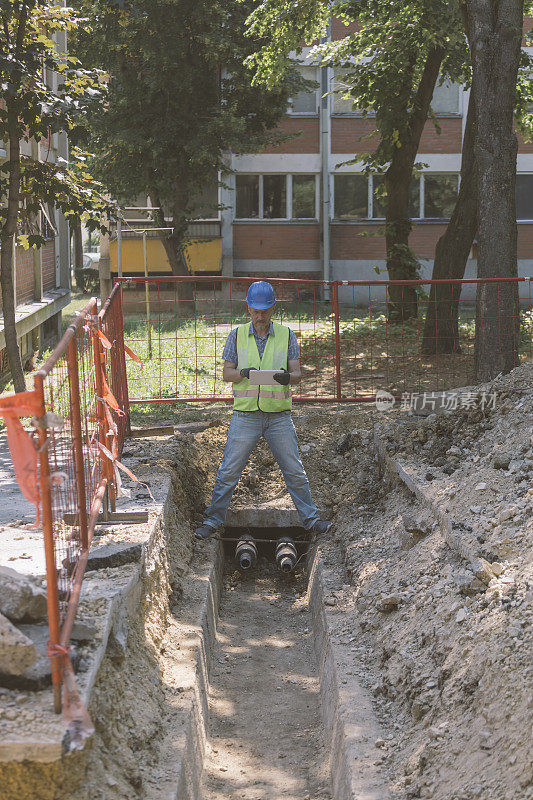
x=283, y=377
x=245, y=373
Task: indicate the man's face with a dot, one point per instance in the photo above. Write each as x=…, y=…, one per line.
x=261, y=318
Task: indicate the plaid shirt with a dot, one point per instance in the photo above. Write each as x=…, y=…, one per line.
x=230, y=348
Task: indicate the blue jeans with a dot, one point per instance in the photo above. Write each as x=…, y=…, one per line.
x=245, y=430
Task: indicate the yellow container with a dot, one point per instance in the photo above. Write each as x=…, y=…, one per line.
x=201, y=255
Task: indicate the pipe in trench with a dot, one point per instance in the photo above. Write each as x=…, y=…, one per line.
x=286, y=555
x=246, y=552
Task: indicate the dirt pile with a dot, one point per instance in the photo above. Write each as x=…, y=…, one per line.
x=336, y=450
x=448, y=657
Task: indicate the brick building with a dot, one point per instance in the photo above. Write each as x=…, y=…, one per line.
x=292, y=211
x=41, y=277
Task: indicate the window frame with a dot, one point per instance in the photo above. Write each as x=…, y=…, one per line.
x=259, y=196
x=315, y=113
x=288, y=202
x=451, y=114
x=423, y=176
x=523, y=219
x=370, y=200
x=371, y=114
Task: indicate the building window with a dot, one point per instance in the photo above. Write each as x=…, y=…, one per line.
x=303, y=196
x=524, y=197
x=341, y=103
x=275, y=197
x=379, y=198
x=351, y=196
x=305, y=102
x=247, y=191
x=440, y=195
x=432, y=196
x=446, y=98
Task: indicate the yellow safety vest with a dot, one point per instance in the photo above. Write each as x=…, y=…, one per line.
x=262, y=398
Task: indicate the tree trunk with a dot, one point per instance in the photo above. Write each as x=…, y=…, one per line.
x=401, y=262
x=8, y=236
x=496, y=35
x=173, y=244
x=441, y=328
x=78, y=253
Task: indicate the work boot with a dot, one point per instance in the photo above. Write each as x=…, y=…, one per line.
x=204, y=531
x=321, y=526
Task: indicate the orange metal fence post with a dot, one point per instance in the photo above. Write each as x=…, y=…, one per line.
x=77, y=440
x=52, y=593
x=111, y=322
x=121, y=359
x=106, y=467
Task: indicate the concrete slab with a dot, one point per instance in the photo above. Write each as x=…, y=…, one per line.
x=38, y=675
x=17, y=652
x=273, y=514
x=114, y=555
x=20, y=598
x=349, y=720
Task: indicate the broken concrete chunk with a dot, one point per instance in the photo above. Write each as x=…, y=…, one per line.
x=415, y=526
x=17, y=652
x=37, y=675
x=83, y=631
x=501, y=461
x=20, y=599
x=388, y=602
x=114, y=555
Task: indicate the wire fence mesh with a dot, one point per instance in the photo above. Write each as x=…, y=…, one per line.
x=351, y=344
x=72, y=478
x=111, y=324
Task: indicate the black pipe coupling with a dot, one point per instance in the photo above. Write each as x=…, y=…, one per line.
x=246, y=552
x=286, y=555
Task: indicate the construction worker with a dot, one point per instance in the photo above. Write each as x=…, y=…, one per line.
x=261, y=410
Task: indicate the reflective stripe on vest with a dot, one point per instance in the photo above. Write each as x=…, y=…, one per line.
x=275, y=356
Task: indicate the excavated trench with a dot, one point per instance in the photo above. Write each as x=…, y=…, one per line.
x=225, y=688
x=265, y=733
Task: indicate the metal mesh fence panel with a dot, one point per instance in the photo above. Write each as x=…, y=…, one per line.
x=352, y=344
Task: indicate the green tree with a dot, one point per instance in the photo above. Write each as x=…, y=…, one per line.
x=29, y=112
x=180, y=98
x=391, y=64
x=441, y=327
x=496, y=36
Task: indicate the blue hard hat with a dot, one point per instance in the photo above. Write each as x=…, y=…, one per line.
x=261, y=295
